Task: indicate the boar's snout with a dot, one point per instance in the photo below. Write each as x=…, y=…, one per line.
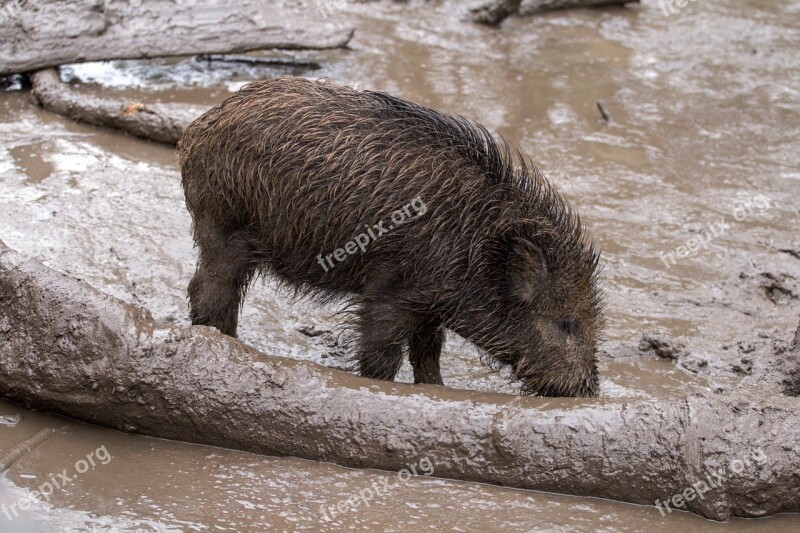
x=558, y=375
x=587, y=388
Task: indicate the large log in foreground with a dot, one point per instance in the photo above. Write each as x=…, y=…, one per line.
x=49, y=33
x=788, y=368
x=157, y=122
x=68, y=348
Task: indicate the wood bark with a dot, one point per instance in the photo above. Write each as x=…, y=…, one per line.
x=496, y=11
x=68, y=348
x=157, y=122
x=49, y=33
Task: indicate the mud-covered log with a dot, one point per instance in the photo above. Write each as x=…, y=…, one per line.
x=258, y=61
x=50, y=33
x=157, y=122
x=496, y=11
x=68, y=348
x=789, y=367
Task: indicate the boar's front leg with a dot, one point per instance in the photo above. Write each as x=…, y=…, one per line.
x=224, y=269
x=386, y=330
x=383, y=333
x=425, y=347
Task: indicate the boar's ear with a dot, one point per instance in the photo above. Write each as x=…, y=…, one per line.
x=526, y=269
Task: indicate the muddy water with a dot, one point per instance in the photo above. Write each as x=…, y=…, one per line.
x=705, y=116
x=144, y=484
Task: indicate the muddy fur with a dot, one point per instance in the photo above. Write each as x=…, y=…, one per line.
x=288, y=170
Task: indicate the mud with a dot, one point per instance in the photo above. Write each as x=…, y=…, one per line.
x=70, y=349
x=167, y=486
x=704, y=111
x=787, y=371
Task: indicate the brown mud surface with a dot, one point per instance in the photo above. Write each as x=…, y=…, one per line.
x=704, y=118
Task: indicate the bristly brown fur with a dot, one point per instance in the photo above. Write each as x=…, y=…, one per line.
x=289, y=169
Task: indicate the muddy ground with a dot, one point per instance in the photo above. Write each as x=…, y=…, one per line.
x=701, y=151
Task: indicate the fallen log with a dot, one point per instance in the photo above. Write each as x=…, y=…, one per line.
x=50, y=33
x=497, y=11
x=157, y=122
x=494, y=12
x=68, y=348
x=789, y=368
x=258, y=61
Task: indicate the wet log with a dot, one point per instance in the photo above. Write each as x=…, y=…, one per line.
x=157, y=122
x=497, y=11
x=789, y=368
x=70, y=349
x=258, y=61
x=494, y=12
x=50, y=33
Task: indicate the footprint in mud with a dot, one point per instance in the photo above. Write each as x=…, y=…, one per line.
x=776, y=289
x=659, y=344
x=332, y=345
x=736, y=359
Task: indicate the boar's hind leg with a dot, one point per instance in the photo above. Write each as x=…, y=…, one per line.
x=425, y=346
x=224, y=269
x=382, y=336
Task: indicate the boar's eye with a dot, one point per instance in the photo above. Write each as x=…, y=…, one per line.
x=568, y=326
